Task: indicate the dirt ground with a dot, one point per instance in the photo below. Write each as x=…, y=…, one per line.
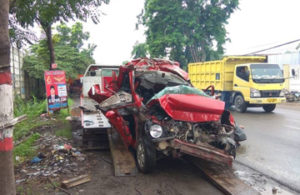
x=172, y=176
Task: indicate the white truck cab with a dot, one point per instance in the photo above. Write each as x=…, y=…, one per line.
x=91, y=118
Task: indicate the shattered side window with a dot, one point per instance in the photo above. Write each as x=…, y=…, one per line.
x=125, y=86
x=92, y=71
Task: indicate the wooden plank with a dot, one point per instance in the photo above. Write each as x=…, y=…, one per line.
x=223, y=178
x=13, y=122
x=123, y=160
x=76, y=181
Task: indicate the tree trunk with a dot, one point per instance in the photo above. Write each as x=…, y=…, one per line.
x=48, y=31
x=7, y=179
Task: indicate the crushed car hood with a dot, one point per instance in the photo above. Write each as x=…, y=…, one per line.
x=187, y=104
x=159, y=64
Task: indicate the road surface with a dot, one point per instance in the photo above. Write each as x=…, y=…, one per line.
x=273, y=144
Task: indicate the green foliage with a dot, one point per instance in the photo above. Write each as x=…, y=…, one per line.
x=46, y=13
x=63, y=113
x=31, y=108
x=187, y=30
x=26, y=150
x=140, y=50
x=25, y=128
x=68, y=47
x=25, y=13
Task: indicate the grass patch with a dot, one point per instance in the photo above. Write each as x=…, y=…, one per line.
x=63, y=113
x=31, y=108
x=65, y=131
x=26, y=150
x=25, y=127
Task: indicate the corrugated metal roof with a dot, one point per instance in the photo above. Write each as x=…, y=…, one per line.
x=287, y=58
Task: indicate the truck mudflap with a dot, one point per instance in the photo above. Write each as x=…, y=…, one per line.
x=203, y=151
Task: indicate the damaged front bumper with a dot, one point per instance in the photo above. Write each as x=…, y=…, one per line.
x=202, y=151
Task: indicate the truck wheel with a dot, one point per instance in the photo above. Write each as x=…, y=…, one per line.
x=145, y=156
x=269, y=107
x=239, y=104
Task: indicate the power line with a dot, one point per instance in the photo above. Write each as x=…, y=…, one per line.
x=283, y=44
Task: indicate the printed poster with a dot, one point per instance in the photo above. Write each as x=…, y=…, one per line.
x=56, y=90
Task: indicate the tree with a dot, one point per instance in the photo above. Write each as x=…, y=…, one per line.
x=46, y=13
x=139, y=50
x=71, y=56
x=7, y=180
x=186, y=30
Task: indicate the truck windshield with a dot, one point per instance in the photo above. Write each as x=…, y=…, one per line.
x=266, y=73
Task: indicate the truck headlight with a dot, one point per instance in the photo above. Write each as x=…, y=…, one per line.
x=281, y=93
x=156, y=131
x=254, y=93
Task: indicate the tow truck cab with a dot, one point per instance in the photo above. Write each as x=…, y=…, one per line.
x=93, y=120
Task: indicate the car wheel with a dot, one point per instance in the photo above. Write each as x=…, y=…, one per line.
x=145, y=156
x=240, y=104
x=269, y=107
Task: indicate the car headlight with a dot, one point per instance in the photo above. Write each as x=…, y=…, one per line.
x=281, y=93
x=254, y=93
x=156, y=131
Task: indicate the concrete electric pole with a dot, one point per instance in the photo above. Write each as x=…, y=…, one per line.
x=7, y=180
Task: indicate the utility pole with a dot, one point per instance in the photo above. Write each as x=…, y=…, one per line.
x=7, y=179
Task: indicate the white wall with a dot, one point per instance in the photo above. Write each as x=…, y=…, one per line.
x=293, y=60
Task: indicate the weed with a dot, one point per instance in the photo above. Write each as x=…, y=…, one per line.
x=31, y=108
x=26, y=150
x=63, y=113
x=25, y=127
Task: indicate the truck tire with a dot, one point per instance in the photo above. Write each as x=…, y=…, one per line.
x=239, y=104
x=145, y=155
x=269, y=107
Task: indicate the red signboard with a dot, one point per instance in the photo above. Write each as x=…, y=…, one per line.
x=54, y=66
x=56, y=90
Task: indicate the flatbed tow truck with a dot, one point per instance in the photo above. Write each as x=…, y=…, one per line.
x=96, y=129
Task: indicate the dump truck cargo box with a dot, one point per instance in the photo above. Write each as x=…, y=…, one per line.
x=218, y=73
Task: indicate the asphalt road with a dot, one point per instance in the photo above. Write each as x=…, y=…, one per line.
x=273, y=144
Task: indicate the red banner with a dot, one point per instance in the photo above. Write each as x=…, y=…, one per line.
x=56, y=90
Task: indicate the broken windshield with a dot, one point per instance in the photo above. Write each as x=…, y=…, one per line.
x=150, y=83
x=266, y=73
x=180, y=89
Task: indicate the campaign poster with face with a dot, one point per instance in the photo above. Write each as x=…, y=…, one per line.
x=56, y=90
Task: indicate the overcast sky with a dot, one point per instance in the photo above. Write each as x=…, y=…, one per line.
x=258, y=24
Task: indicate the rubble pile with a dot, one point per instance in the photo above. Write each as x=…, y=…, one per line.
x=56, y=157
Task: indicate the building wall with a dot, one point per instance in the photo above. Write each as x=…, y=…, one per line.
x=16, y=66
x=293, y=60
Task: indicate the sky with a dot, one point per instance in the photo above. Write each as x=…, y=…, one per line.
x=256, y=25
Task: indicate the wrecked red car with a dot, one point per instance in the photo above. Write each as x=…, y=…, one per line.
x=157, y=112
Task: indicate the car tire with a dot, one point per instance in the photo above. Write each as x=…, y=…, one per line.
x=145, y=155
x=269, y=107
x=239, y=104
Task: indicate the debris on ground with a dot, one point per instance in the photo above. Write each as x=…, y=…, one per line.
x=56, y=158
